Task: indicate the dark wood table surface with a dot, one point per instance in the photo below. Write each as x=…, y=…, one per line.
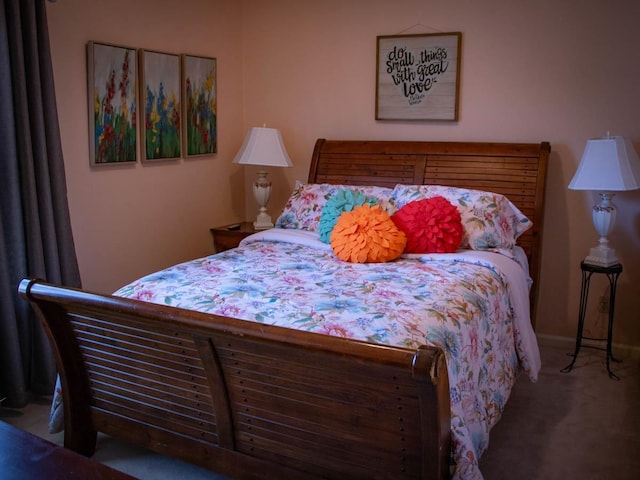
x=24, y=456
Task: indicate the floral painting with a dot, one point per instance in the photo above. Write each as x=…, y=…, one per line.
x=160, y=93
x=200, y=105
x=111, y=72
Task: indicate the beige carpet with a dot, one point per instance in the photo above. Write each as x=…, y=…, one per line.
x=577, y=425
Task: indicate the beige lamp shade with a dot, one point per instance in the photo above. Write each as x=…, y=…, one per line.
x=609, y=164
x=263, y=147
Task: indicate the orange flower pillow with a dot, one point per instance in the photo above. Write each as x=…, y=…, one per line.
x=367, y=234
x=432, y=225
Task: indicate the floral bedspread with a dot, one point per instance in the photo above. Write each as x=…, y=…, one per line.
x=474, y=305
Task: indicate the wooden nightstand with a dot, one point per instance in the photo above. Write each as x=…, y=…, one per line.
x=225, y=238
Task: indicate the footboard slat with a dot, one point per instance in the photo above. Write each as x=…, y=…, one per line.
x=150, y=358
x=119, y=370
x=143, y=414
x=165, y=441
x=353, y=465
x=366, y=411
x=187, y=379
x=245, y=399
x=255, y=377
x=122, y=333
x=306, y=438
x=160, y=402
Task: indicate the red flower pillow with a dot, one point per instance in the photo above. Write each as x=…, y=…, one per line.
x=432, y=225
x=366, y=234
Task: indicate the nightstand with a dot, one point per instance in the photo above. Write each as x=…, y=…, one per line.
x=612, y=273
x=227, y=237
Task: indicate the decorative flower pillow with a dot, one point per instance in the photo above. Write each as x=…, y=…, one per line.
x=343, y=200
x=304, y=208
x=432, y=225
x=489, y=219
x=367, y=235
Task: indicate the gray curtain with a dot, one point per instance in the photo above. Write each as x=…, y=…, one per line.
x=35, y=231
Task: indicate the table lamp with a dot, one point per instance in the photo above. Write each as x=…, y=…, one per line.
x=263, y=147
x=608, y=165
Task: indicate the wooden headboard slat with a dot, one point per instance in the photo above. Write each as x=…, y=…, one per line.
x=514, y=163
x=516, y=170
x=479, y=175
x=363, y=180
x=368, y=169
x=402, y=159
x=481, y=166
x=417, y=147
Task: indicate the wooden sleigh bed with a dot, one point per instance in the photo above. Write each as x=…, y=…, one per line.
x=250, y=400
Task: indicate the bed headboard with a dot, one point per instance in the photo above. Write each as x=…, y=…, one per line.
x=516, y=170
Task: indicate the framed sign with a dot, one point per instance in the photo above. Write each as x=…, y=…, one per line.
x=418, y=77
x=113, y=100
x=160, y=103
x=201, y=105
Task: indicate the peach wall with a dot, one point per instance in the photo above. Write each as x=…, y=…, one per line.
x=556, y=71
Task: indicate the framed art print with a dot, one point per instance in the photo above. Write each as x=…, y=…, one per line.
x=112, y=101
x=418, y=77
x=160, y=102
x=200, y=111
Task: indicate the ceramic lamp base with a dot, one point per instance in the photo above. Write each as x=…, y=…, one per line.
x=602, y=256
x=262, y=192
x=263, y=221
x=604, y=217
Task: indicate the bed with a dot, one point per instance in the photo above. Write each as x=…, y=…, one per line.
x=322, y=369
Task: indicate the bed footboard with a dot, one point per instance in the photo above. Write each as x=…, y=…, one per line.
x=244, y=399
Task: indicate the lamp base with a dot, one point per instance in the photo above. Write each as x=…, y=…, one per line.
x=604, y=216
x=262, y=192
x=602, y=256
x=263, y=222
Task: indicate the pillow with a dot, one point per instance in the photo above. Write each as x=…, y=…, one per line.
x=367, y=234
x=432, y=225
x=304, y=207
x=343, y=200
x=489, y=219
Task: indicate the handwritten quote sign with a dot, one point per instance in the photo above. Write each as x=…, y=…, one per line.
x=417, y=77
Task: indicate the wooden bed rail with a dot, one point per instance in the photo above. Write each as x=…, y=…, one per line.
x=241, y=398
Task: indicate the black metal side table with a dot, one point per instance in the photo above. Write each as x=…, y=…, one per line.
x=612, y=273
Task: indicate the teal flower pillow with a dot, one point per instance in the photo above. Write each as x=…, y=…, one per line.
x=342, y=200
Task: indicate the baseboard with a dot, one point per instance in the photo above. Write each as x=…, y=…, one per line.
x=631, y=351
